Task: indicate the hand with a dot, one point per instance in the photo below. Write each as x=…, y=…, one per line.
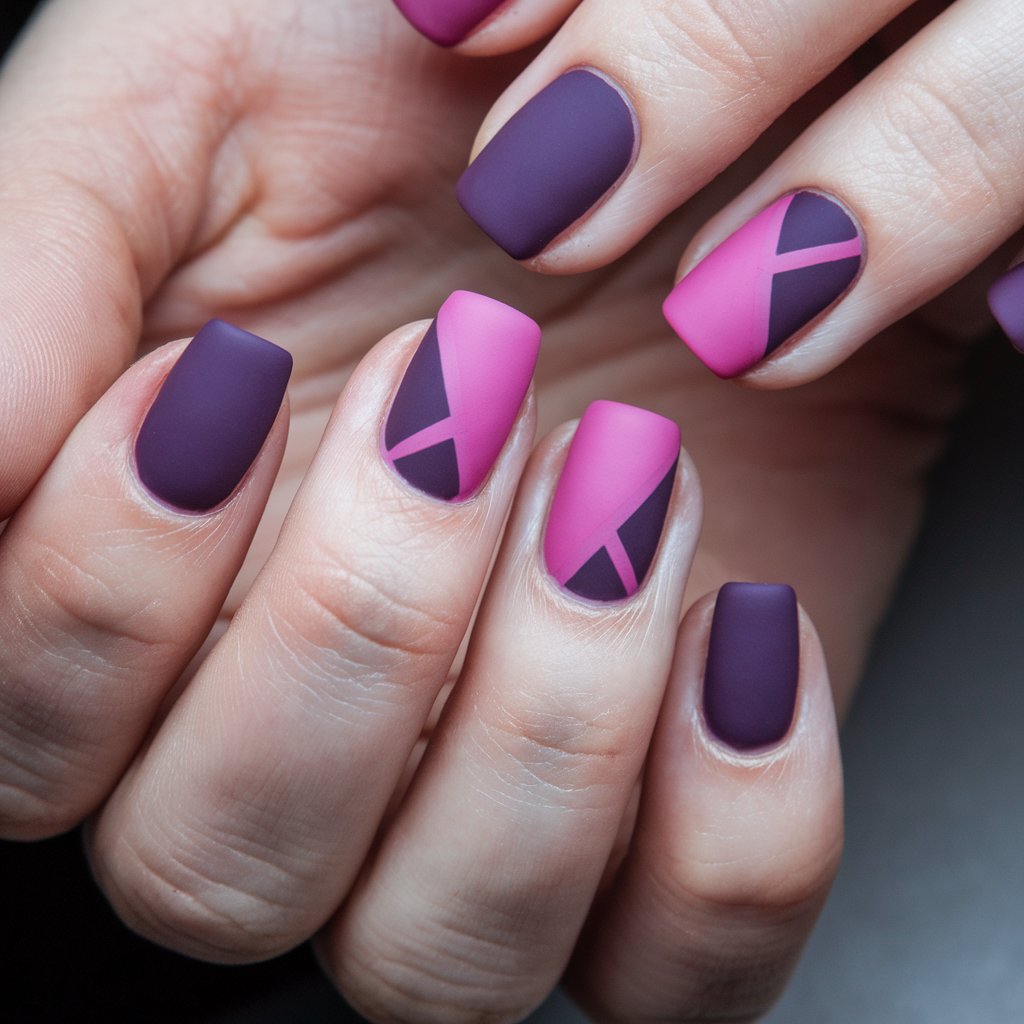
x=302, y=190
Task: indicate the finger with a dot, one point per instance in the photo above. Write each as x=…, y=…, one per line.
x=245, y=822
x=740, y=826
x=485, y=27
x=480, y=887
x=115, y=568
x=898, y=191
x=94, y=212
x=633, y=107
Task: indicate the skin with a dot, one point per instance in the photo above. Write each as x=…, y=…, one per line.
x=298, y=186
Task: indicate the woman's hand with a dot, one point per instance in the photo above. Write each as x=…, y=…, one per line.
x=291, y=168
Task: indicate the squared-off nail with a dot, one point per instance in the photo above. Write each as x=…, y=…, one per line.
x=766, y=282
x=1006, y=300
x=753, y=664
x=447, y=22
x=211, y=417
x=550, y=163
x=460, y=396
x=609, y=507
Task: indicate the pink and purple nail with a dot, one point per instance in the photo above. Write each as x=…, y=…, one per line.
x=460, y=396
x=1006, y=300
x=550, y=163
x=753, y=664
x=609, y=507
x=447, y=22
x=211, y=417
x=766, y=282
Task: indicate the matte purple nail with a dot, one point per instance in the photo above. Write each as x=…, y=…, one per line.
x=753, y=664
x=447, y=22
x=211, y=417
x=1006, y=300
x=550, y=163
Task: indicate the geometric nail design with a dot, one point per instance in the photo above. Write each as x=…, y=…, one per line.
x=550, y=163
x=1006, y=300
x=766, y=282
x=460, y=396
x=211, y=417
x=447, y=22
x=609, y=507
x=753, y=664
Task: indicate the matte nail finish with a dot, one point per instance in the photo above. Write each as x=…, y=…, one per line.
x=1006, y=300
x=550, y=163
x=766, y=282
x=447, y=22
x=753, y=664
x=460, y=395
x=609, y=507
x=211, y=417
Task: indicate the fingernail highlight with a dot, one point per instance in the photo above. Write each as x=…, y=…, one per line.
x=1006, y=300
x=766, y=282
x=550, y=163
x=609, y=507
x=211, y=417
x=753, y=664
x=447, y=22
x=460, y=396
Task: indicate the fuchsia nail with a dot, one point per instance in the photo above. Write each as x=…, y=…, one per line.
x=460, y=395
x=766, y=282
x=447, y=22
x=609, y=507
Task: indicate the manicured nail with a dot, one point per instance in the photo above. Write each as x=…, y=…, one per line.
x=1006, y=300
x=460, y=395
x=609, y=507
x=766, y=282
x=211, y=417
x=550, y=163
x=447, y=22
x=753, y=664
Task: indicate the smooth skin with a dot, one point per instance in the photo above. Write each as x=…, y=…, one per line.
x=290, y=168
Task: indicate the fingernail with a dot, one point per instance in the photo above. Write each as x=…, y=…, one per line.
x=211, y=417
x=460, y=396
x=609, y=507
x=446, y=22
x=753, y=664
x=1006, y=300
x=550, y=163
x=766, y=282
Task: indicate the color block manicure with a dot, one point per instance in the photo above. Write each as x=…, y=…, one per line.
x=447, y=22
x=460, y=395
x=550, y=163
x=211, y=417
x=766, y=282
x=1006, y=300
x=609, y=507
x=753, y=664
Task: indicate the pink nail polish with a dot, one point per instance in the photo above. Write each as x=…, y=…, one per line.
x=609, y=507
x=460, y=395
x=767, y=281
x=447, y=22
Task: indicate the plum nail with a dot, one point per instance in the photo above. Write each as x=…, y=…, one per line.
x=1006, y=300
x=211, y=417
x=766, y=282
x=753, y=664
x=460, y=396
x=447, y=22
x=609, y=507
x=550, y=163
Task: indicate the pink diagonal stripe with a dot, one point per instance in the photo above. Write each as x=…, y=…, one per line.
x=426, y=438
x=623, y=566
x=819, y=254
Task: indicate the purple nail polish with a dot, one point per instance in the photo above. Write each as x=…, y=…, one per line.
x=447, y=22
x=550, y=163
x=753, y=664
x=1006, y=300
x=211, y=417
